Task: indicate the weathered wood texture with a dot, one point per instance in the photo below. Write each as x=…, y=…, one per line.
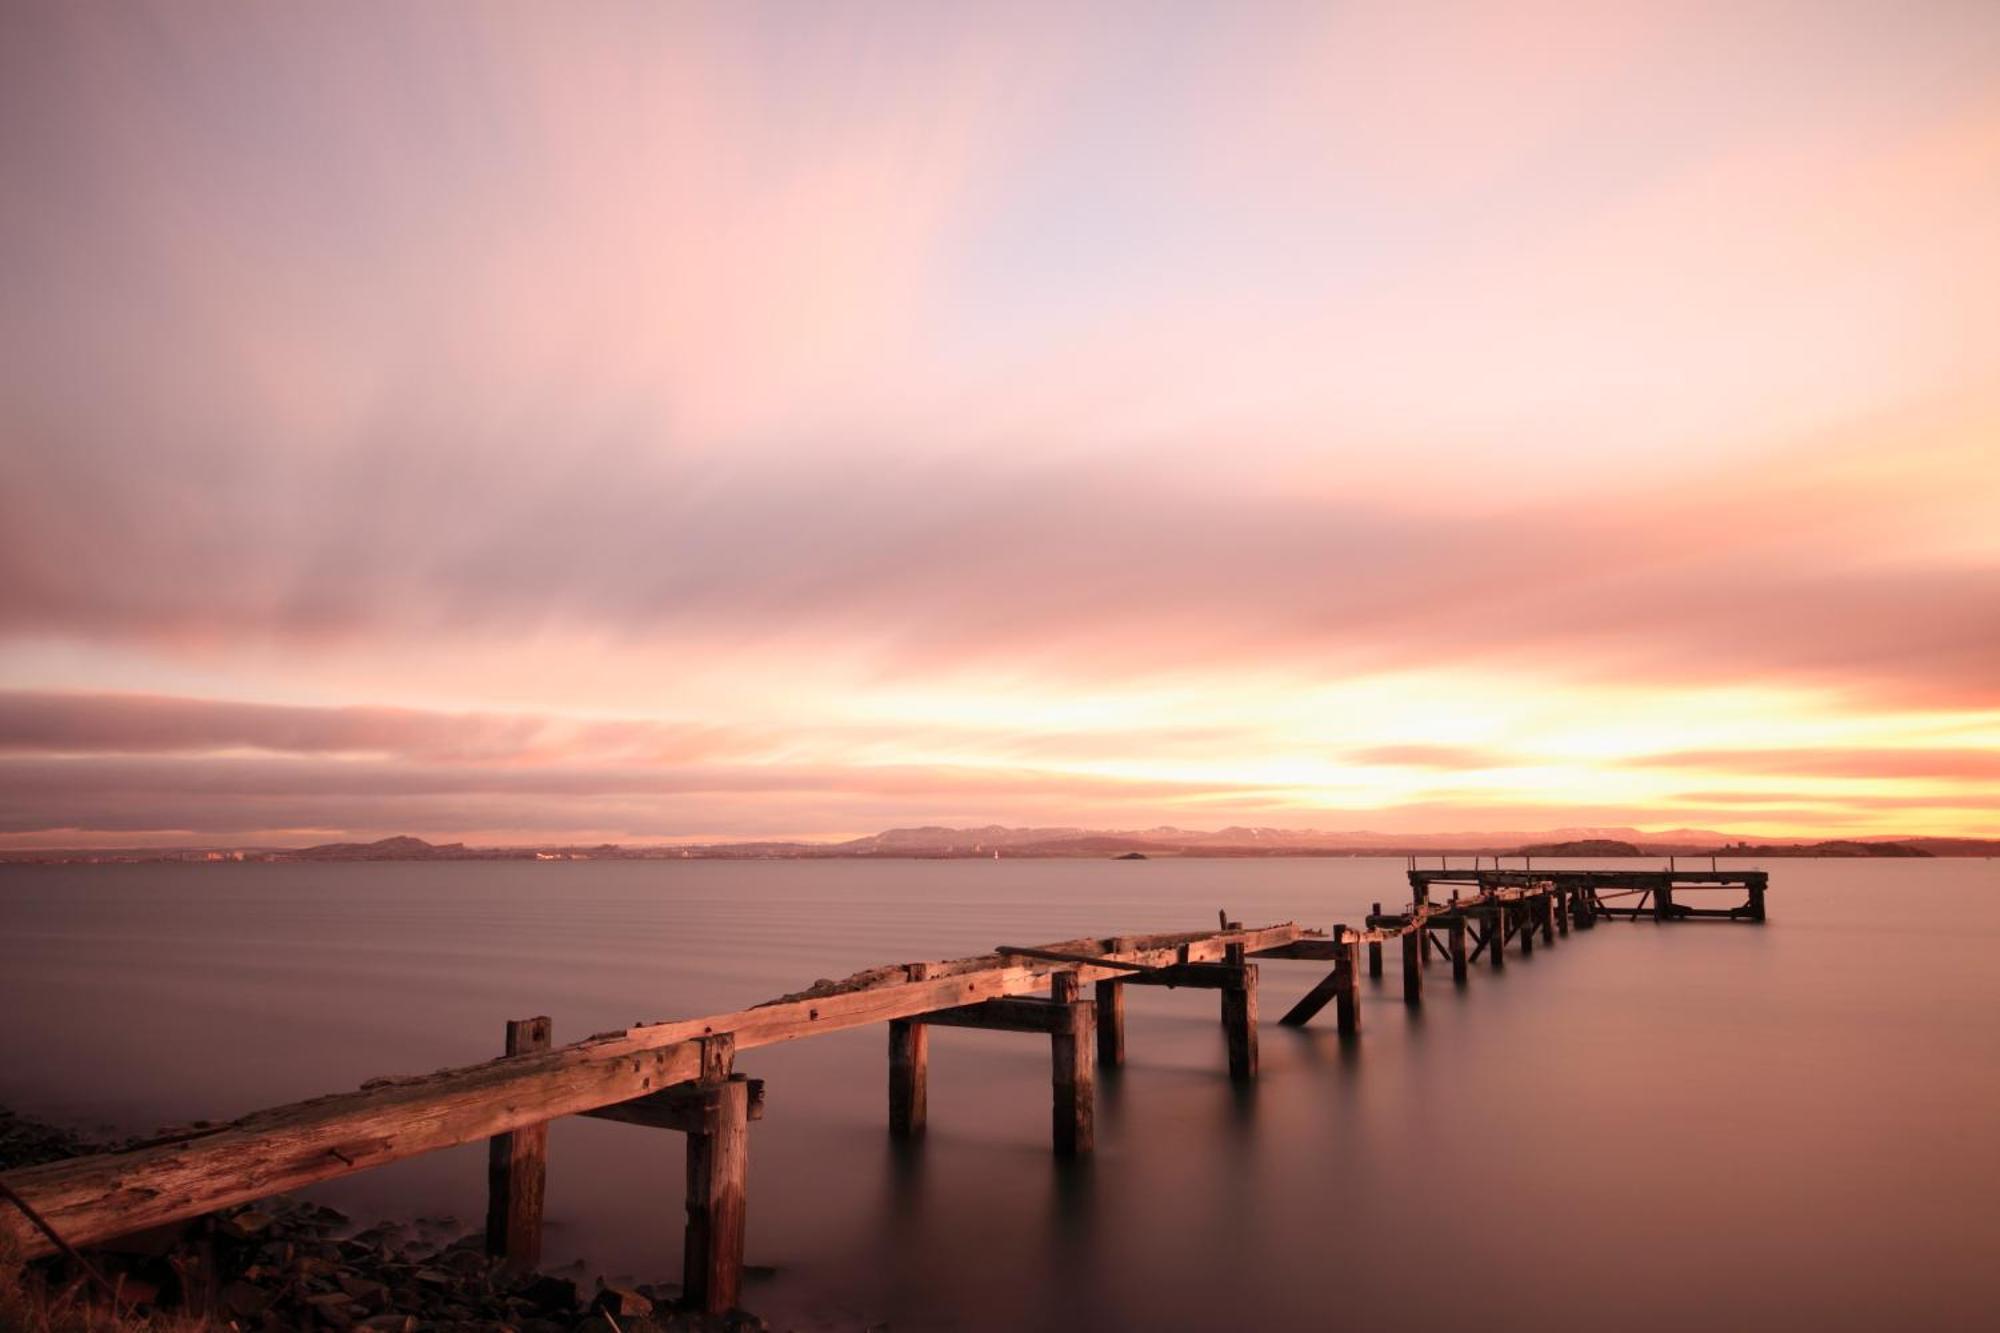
x=1239, y=1016
x=517, y=1168
x=1074, y=1075
x=1110, y=1024
x=91, y=1199
x=718, y=1159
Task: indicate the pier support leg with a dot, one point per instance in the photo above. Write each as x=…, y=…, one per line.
x=517, y=1169
x=1663, y=904
x=1110, y=1024
x=1239, y=1017
x=1524, y=930
x=909, y=1078
x=1342, y=986
x=1458, y=950
x=1374, y=946
x=1562, y=912
x=1583, y=906
x=909, y=1070
x=1074, y=1077
x=1413, y=966
x=1545, y=912
x=1756, y=900
x=718, y=1158
x=1496, y=936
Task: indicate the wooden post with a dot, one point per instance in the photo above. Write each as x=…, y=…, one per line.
x=718, y=1159
x=1111, y=1023
x=1374, y=946
x=1239, y=1015
x=1583, y=906
x=1456, y=933
x=1663, y=904
x=1347, y=985
x=1545, y=909
x=1756, y=887
x=1496, y=935
x=1562, y=912
x=1413, y=966
x=1524, y=930
x=517, y=1169
x=1074, y=1076
x=909, y=1070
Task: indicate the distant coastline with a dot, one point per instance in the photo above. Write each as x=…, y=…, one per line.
x=937, y=843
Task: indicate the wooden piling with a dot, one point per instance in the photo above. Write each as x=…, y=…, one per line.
x=1074, y=1073
x=1110, y=1023
x=909, y=1070
x=718, y=1158
x=1413, y=966
x=517, y=1169
x=1496, y=935
x=1562, y=896
x=1347, y=984
x=1374, y=946
x=1456, y=933
x=1524, y=929
x=1239, y=1016
x=1545, y=912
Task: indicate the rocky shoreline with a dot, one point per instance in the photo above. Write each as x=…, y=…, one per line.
x=285, y=1264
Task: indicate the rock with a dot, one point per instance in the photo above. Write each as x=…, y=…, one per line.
x=466, y=1262
x=243, y=1300
x=622, y=1301
x=551, y=1293
x=364, y=1289
x=247, y=1224
x=391, y=1322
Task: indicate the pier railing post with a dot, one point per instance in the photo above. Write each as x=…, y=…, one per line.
x=1074, y=1073
x=909, y=1070
x=517, y=1169
x=1239, y=1015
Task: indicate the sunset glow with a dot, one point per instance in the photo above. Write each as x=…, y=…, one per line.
x=674, y=423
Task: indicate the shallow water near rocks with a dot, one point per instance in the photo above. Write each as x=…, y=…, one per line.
x=1643, y=1127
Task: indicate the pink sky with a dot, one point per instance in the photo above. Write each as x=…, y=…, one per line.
x=648, y=422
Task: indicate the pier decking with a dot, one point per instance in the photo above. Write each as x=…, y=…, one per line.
x=680, y=1075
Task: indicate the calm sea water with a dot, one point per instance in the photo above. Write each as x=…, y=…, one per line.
x=1647, y=1128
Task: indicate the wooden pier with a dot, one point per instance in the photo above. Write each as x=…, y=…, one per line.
x=680, y=1075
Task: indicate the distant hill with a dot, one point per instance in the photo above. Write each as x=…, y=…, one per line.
x=1582, y=847
x=985, y=842
x=389, y=849
x=1835, y=848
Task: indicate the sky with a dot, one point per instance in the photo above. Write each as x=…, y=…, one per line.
x=525, y=423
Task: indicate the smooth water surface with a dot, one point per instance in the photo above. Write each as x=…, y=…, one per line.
x=1640, y=1127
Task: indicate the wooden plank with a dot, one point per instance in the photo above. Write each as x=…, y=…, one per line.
x=1189, y=976
x=676, y=1108
x=517, y=1168
x=1008, y=1015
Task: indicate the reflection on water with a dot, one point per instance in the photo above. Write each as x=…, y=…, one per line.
x=1644, y=1127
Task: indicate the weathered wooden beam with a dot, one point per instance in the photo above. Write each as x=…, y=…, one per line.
x=1187, y=976
x=1413, y=967
x=1305, y=951
x=1015, y=1014
x=517, y=1168
x=1073, y=1073
x=676, y=1108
